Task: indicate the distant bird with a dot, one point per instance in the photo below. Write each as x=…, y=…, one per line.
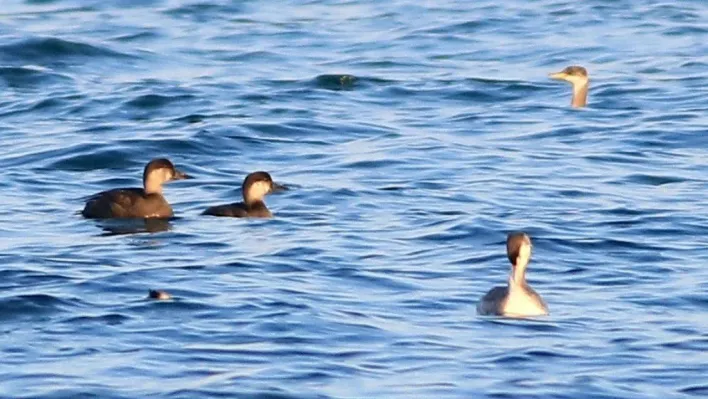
x=159, y=295
x=146, y=202
x=255, y=187
x=517, y=298
x=578, y=77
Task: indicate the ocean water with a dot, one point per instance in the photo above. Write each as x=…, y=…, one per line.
x=413, y=136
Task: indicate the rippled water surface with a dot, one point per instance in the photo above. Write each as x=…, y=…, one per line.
x=413, y=136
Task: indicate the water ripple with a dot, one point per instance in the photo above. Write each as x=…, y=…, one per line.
x=52, y=50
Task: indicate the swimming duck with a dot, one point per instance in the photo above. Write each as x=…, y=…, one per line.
x=255, y=187
x=517, y=299
x=146, y=202
x=578, y=77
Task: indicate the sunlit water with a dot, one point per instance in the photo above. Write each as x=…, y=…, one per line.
x=413, y=136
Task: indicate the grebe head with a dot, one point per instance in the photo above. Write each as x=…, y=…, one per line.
x=573, y=74
x=518, y=249
x=578, y=77
x=159, y=171
x=257, y=185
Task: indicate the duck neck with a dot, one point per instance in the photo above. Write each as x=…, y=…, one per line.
x=252, y=201
x=580, y=94
x=152, y=187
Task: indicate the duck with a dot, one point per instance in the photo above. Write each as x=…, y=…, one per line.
x=254, y=189
x=517, y=298
x=577, y=76
x=145, y=202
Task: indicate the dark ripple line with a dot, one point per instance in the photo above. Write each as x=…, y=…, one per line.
x=52, y=50
x=152, y=101
x=28, y=77
x=32, y=305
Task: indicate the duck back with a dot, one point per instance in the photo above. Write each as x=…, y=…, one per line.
x=127, y=203
x=239, y=210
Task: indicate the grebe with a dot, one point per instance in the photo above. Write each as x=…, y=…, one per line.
x=517, y=299
x=578, y=77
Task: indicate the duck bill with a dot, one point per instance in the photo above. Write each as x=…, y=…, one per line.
x=179, y=175
x=278, y=187
x=557, y=75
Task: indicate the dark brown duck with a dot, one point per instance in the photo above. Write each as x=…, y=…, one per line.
x=146, y=202
x=254, y=189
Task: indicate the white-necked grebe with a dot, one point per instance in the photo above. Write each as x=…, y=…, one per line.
x=578, y=77
x=517, y=298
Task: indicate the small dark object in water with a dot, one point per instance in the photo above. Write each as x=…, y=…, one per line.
x=159, y=295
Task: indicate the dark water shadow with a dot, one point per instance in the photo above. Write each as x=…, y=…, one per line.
x=113, y=227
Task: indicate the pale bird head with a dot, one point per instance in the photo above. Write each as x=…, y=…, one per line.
x=257, y=185
x=575, y=75
x=161, y=170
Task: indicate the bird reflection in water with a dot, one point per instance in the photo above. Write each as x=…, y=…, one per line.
x=113, y=227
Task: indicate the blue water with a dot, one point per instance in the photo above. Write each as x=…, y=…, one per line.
x=413, y=136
